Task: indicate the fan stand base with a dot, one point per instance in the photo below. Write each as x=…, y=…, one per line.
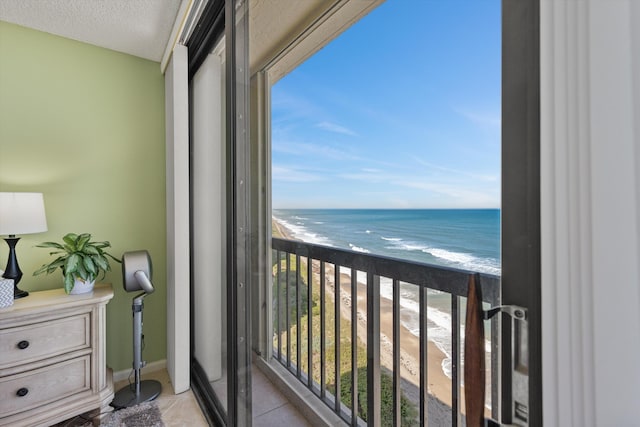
x=126, y=396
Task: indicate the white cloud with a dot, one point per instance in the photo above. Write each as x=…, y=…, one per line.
x=283, y=173
x=484, y=118
x=457, y=195
x=444, y=191
x=315, y=150
x=336, y=128
x=470, y=174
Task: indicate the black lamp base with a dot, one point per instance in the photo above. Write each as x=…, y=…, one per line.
x=12, y=270
x=19, y=293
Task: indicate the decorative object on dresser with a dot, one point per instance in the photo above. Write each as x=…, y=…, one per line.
x=6, y=292
x=136, y=276
x=53, y=364
x=80, y=260
x=20, y=213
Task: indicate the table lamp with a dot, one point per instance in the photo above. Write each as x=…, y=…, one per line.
x=20, y=213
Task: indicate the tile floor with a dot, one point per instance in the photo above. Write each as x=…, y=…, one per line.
x=270, y=406
x=178, y=410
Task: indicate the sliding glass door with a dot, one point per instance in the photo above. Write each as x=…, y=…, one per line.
x=219, y=207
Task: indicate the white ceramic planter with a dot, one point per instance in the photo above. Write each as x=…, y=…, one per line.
x=82, y=287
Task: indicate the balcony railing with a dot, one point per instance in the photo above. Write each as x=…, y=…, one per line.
x=327, y=316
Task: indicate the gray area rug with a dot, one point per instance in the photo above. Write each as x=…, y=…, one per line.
x=145, y=414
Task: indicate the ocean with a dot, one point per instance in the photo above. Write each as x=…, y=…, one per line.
x=467, y=239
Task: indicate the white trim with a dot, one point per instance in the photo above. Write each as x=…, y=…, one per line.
x=177, y=191
x=178, y=25
x=184, y=24
x=123, y=375
x=565, y=217
x=589, y=215
x=321, y=32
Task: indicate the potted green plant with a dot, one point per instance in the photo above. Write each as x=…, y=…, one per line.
x=80, y=259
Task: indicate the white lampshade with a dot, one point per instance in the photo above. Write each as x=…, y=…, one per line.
x=22, y=213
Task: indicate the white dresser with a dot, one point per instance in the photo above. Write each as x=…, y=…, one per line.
x=52, y=357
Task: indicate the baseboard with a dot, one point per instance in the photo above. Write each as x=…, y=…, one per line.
x=158, y=365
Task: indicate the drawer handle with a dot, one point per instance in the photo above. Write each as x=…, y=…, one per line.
x=22, y=392
x=23, y=344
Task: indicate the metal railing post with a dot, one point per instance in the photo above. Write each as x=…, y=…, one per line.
x=373, y=350
x=424, y=358
x=298, y=320
x=278, y=326
x=455, y=361
x=397, y=393
x=323, y=335
x=354, y=349
x=287, y=308
x=336, y=293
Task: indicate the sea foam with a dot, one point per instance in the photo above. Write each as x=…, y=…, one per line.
x=299, y=231
x=358, y=248
x=450, y=258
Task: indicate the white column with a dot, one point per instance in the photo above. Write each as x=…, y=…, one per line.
x=177, y=182
x=590, y=212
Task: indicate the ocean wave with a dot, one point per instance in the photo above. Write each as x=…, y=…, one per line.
x=466, y=261
x=358, y=249
x=302, y=233
x=446, y=257
x=461, y=260
x=457, y=257
x=399, y=244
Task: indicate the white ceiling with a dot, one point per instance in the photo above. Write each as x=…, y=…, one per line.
x=136, y=27
x=143, y=27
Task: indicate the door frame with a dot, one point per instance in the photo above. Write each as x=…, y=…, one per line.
x=229, y=19
x=520, y=210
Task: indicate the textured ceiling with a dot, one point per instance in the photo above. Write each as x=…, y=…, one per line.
x=275, y=23
x=143, y=27
x=136, y=27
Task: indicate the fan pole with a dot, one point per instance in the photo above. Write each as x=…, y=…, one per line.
x=139, y=391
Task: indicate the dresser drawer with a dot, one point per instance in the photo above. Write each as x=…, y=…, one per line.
x=28, y=390
x=29, y=343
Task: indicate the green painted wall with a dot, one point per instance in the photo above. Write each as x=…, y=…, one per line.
x=85, y=126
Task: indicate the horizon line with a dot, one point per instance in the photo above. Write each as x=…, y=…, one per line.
x=390, y=209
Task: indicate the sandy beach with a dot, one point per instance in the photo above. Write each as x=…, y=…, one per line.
x=439, y=383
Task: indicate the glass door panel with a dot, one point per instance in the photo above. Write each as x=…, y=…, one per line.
x=218, y=58
x=208, y=177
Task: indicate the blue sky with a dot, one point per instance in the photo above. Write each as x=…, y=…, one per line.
x=400, y=111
